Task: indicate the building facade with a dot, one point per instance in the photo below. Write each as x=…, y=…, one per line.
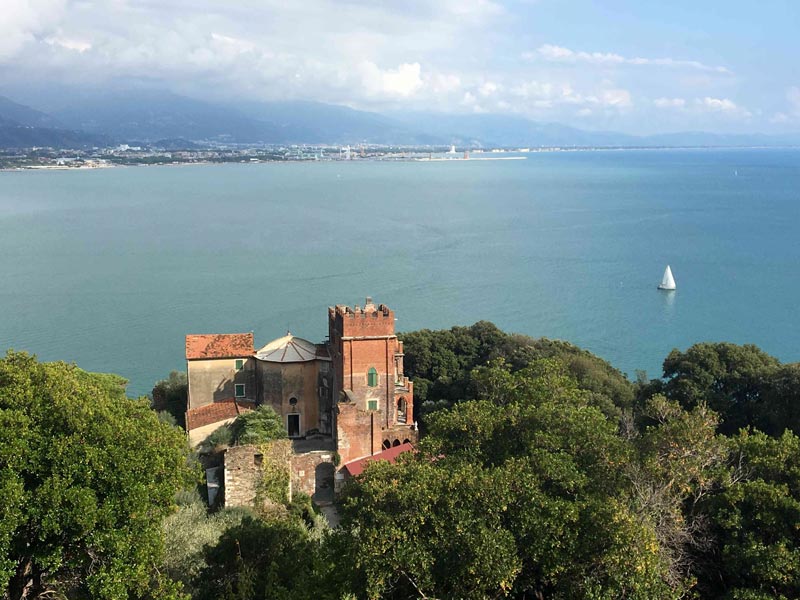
x=348, y=395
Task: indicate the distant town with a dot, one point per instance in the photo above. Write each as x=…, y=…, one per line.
x=192, y=153
x=128, y=155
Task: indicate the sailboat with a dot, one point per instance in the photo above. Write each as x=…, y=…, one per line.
x=668, y=281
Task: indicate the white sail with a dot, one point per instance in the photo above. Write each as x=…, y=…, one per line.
x=668, y=281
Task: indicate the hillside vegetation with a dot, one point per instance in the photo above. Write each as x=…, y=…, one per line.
x=543, y=473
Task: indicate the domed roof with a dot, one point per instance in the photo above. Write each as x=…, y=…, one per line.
x=288, y=349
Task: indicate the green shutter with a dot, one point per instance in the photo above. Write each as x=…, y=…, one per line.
x=372, y=377
x=239, y=364
x=372, y=405
x=239, y=390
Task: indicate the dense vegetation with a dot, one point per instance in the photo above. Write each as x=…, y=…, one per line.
x=86, y=476
x=543, y=473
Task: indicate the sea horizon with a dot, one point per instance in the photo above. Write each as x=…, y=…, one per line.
x=112, y=270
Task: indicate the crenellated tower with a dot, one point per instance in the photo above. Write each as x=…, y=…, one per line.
x=375, y=399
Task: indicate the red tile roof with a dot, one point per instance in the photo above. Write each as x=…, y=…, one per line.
x=219, y=345
x=356, y=467
x=221, y=410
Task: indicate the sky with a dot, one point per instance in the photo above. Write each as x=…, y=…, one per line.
x=638, y=66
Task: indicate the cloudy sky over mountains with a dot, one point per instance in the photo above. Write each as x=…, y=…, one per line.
x=630, y=65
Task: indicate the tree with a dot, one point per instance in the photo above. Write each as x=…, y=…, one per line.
x=521, y=493
x=780, y=401
x=441, y=362
x=755, y=519
x=425, y=529
x=86, y=477
x=726, y=377
x=257, y=427
x=258, y=558
x=172, y=395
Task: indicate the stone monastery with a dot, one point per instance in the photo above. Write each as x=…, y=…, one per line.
x=347, y=396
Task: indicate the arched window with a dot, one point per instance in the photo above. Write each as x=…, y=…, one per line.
x=401, y=410
x=372, y=377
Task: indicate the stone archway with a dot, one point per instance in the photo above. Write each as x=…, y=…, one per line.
x=323, y=482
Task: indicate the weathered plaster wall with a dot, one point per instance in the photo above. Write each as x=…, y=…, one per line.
x=212, y=380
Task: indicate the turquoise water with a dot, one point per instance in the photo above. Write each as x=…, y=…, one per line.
x=111, y=268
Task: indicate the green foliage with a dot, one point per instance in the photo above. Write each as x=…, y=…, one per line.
x=220, y=438
x=86, y=476
x=254, y=427
x=728, y=378
x=441, y=365
x=172, y=395
x=257, y=427
x=757, y=549
x=186, y=534
x=273, y=487
x=274, y=559
x=521, y=493
x=421, y=527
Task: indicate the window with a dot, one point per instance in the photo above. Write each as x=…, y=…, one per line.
x=372, y=405
x=239, y=390
x=372, y=377
x=401, y=410
x=239, y=364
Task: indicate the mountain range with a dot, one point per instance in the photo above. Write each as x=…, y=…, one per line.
x=106, y=118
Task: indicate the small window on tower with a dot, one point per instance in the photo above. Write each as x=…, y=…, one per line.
x=239, y=364
x=372, y=377
x=239, y=390
x=372, y=405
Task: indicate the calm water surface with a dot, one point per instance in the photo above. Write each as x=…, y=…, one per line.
x=111, y=268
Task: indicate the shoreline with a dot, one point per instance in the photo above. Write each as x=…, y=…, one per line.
x=390, y=159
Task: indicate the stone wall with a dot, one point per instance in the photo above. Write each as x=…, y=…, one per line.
x=312, y=474
x=242, y=473
x=244, y=469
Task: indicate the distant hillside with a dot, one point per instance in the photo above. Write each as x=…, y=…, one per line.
x=303, y=122
x=17, y=136
x=24, y=127
x=152, y=116
x=13, y=113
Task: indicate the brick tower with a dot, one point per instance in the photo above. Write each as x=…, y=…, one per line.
x=375, y=400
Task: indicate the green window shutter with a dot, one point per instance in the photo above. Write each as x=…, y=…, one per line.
x=372, y=377
x=239, y=364
x=372, y=405
x=239, y=390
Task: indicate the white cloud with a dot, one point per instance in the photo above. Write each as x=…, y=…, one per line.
x=21, y=21
x=721, y=105
x=669, y=102
x=401, y=82
x=559, y=54
x=543, y=95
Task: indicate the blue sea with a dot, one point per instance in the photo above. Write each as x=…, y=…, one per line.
x=110, y=268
